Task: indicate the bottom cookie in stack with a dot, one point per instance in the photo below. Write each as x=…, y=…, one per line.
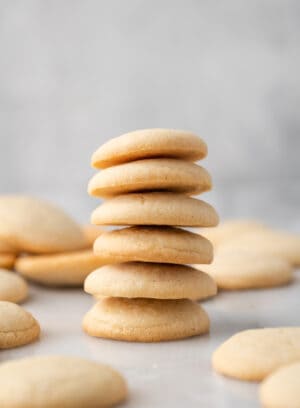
x=145, y=320
x=147, y=302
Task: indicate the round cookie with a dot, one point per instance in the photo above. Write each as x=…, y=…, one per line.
x=69, y=269
x=230, y=229
x=155, y=209
x=149, y=143
x=281, y=389
x=13, y=288
x=57, y=381
x=271, y=242
x=253, y=354
x=33, y=225
x=17, y=326
x=7, y=260
x=91, y=233
x=247, y=269
x=149, y=280
x=145, y=320
x=153, y=244
x=172, y=175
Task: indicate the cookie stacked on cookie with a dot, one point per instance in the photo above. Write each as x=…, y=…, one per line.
x=145, y=289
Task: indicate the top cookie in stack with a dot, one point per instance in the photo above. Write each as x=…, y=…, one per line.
x=149, y=178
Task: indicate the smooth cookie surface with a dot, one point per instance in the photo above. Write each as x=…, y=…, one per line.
x=150, y=175
x=230, y=229
x=33, y=225
x=281, y=389
x=155, y=209
x=148, y=280
x=59, y=382
x=153, y=244
x=69, y=269
x=145, y=320
x=253, y=354
x=13, y=288
x=271, y=242
x=17, y=326
x=247, y=269
x=149, y=143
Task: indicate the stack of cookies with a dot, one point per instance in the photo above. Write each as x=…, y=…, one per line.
x=145, y=291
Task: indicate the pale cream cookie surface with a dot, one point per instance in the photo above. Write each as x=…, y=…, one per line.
x=149, y=143
x=251, y=355
x=281, y=389
x=150, y=280
x=247, y=269
x=272, y=242
x=29, y=224
x=153, y=244
x=230, y=229
x=173, y=175
x=59, y=382
x=64, y=269
x=145, y=320
x=13, y=288
x=17, y=326
x=155, y=209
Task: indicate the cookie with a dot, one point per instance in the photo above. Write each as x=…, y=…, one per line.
x=155, y=209
x=145, y=320
x=7, y=260
x=253, y=354
x=230, y=229
x=33, y=225
x=91, y=233
x=149, y=143
x=150, y=280
x=57, y=381
x=153, y=244
x=247, y=269
x=281, y=389
x=150, y=175
x=271, y=242
x=68, y=269
x=13, y=288
x=17, y=326
x=6, y=248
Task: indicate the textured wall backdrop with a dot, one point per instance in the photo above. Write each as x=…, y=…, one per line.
x=75, y=73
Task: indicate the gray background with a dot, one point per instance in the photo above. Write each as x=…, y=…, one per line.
x=76, y=73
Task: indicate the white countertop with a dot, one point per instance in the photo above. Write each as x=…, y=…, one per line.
x=170, y=374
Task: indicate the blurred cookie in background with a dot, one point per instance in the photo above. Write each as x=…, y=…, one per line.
x=281, y=388
x=235, y=269
x=230, y=229
x=13, y=288
x=269, y=242
x=29, y=224
x=64, y=269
